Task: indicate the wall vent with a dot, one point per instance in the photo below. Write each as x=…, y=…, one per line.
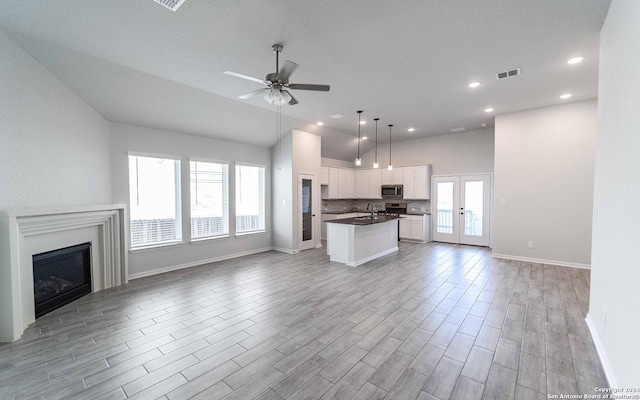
x=170, y=4
x=508, y=74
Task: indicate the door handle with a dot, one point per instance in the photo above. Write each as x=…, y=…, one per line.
x=313, y=215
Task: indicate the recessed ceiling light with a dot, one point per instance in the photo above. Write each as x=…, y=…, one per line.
x=488, y=110
x=319, y=123
x=575, y=60
x=411, y=129
x=363, y=122
x=565, y=96
x=364, y=138
x=474, y=84
x=484, y=125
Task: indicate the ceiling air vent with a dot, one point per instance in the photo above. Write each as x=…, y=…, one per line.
x=508, y=74
x=456, y=130
x=336, y=116
x=170, y=4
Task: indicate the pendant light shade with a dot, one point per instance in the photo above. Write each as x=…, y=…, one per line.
x=375, y=163
x=358, y=159
x=390, y=166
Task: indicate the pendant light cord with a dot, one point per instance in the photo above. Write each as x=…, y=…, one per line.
x=376, y=119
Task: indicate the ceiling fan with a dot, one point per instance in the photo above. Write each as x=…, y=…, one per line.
x=277, y=83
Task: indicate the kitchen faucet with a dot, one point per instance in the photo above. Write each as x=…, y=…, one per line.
x=372, y=209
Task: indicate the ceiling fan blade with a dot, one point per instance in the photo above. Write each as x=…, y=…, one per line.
x=251, y=94
x=293, y=100
x=304, y=86
x=286, y=70
x=247, y=77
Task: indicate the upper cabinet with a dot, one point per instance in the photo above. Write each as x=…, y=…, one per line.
x=346, y=183
x=375, y=183
x=324, y=175
x=416, y=182
x=362, y=184
x=393, y=177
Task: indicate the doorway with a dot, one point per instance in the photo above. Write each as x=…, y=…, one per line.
x=461, y=205
x=306, y=213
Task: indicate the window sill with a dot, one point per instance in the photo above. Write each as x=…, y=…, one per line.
x=250, y=233
x=208, y=238
x=155, y=247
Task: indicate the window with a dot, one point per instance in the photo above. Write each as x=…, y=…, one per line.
x=209, y=199
x=249, y=198
x=155, y=207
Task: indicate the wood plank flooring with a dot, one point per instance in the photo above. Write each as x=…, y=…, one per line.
x=433, y=321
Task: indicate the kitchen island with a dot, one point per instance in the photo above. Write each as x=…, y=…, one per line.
x=354, y=241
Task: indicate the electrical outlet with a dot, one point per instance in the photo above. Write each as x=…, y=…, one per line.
x=530, y=245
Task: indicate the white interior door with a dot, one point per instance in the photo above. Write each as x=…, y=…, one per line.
x=462, y=208
x=306, y=212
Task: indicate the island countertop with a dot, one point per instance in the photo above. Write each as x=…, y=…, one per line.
x=377, y=219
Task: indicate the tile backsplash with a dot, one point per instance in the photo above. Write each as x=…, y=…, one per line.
x=337, y=206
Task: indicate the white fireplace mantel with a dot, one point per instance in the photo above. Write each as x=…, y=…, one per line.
x=25, y=232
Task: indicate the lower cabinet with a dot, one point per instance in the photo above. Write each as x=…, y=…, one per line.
x=415, y=228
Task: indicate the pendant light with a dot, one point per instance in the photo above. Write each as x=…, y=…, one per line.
x=390, y=166
x=358, y=159
x=375, y=163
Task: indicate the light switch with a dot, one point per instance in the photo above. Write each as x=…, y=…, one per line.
x=503, y=202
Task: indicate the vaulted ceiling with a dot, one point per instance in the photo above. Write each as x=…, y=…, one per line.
x=408, y=62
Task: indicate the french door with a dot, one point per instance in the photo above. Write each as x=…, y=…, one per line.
x=306, y=215
x=461, y=205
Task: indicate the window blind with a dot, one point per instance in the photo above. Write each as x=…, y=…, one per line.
x=155, y=201
x=209, y=199
x=250, y=198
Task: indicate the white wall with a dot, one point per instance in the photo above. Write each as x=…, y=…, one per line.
x=615, y=265
x=455, y=153
x=54, y=147
x=306, y=159
x=544, y=165
x=127, y=138
x=283, y=195
x=298, y=152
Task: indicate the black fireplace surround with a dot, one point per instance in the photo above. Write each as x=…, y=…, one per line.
x=60, y=277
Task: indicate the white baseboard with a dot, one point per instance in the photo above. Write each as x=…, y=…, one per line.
x=542, y=261
x=196, y=263
x=602, y=354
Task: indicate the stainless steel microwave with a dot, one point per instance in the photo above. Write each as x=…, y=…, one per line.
x=391, y=191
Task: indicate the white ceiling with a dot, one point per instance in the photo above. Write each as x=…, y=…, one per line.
x=407, y=62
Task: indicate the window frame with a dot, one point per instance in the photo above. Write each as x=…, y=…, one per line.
x=179, y=215
x=264, y=198
x=214, y=237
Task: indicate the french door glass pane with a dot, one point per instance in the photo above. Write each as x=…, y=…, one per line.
x=444, y=208
x=473, y=200
x=306, y=210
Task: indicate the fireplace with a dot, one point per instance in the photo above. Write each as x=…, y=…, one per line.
x=60, y=277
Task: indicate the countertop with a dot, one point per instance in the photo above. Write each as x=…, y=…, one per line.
x=364, y=220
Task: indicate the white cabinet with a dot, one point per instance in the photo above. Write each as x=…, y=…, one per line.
x=375, y=184
x=324, y=175
x=415, y=227
x=333, y=183
x=416, y=182
x=393, y=177
x=350, y=192
x=342, y=183
x=362, y=184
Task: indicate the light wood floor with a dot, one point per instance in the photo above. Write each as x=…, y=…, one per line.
x=431, y=321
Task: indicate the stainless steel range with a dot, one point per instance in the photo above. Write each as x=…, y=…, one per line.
x=394, y=209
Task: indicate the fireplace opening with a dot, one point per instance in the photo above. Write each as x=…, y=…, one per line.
x=60, y=277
